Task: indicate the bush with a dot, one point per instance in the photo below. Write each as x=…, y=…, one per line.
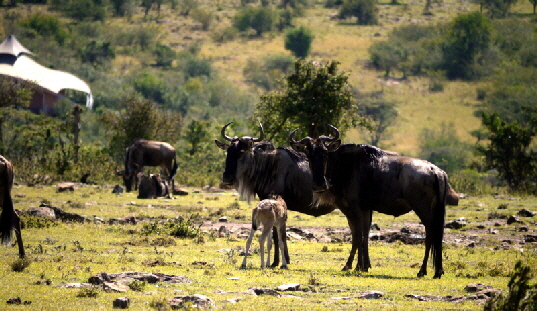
x=260, y=19
x=298, y=41
x=47, y=26
x=522, y=296
x=365, y=11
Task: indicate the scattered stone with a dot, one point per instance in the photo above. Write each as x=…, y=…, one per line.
x=131, y=220
x=375, y=227
x=522, y=229
x=121, y=303
x=179, y=192
x=304, y=234
x=140, y=276
x=289, y=287
x=513, y=219
x=526, y=213
x=194, y=301
x=222, y=219
x=115, y=287
x=117, y=189
x=75, y=285
x=529, y=238
x=263, y=291
x=20, y=195
x=492, y=231
x=64, y=216
x=17, y=301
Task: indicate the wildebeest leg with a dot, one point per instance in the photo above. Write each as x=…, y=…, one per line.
x=281, y=245
x=276, y=262
x=348, y=265
x=17, y=229
x=367, y=219
x=428, y=241
x=248, y=244
x=262, y=238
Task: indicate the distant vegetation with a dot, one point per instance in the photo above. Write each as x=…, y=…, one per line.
x=155, y=71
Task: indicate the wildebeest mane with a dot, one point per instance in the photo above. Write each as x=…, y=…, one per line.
x=294, y=155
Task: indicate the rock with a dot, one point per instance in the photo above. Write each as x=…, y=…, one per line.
x=194, y=302
x=117, y=189
x=62, y=187
x=371, y=294
x=513, y=219
x=42, y=211
x=64, y=216
x=75, y=285
x=263, y=291
x=17, y=301
x=522, y=229
x=475, y=287
x=492, y=231
x=121, y=303
x=222, y=219
x=223, y=232
x=289, y=287
x=115, y=287
x=528, y=238
x=455, y=224
x=526, y=213
x=125, y=277
x=179, y=192
x=375, y=227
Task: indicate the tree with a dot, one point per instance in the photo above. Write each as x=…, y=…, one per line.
x=366, y=11
x=260, y=19
x=466, y=39
x=498, y=8
x=195, y=134
x=509, y=150
x=45, y=25
x=381, y=114
x=298, y=41
x=313, y=97
x=534, y=4
x=14, y=93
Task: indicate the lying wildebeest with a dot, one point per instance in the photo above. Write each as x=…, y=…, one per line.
x=148, y=153
x=360, y=179
x=152, y=186
x=9, y=220
x=254, y=167
x=271, y=213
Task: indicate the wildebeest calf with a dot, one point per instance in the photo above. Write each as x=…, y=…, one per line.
x=271, y=213
x=152, y=187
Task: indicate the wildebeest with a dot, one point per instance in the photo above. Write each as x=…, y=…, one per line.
x=9, y=220
x=271, y=213
x=360, y=179
x=148, y=153
x=152, y=186
x=254, y=167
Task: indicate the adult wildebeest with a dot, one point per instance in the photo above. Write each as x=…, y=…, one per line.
x=254, y=167
x=152, y=186
x=360, y=179
x=148, y=153
x=9, y=220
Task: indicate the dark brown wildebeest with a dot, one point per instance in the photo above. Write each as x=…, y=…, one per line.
x=254, y=167
x=360, y=179
x=152, y=187
x=9, y=220
x=148, y=153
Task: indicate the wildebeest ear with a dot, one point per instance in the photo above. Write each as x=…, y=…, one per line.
x=334, y=145
x=221, y=145
x=298, y=147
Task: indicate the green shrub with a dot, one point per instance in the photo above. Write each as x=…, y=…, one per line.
x=521, y=295
x=20, y=264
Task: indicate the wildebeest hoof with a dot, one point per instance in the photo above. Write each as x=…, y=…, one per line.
x=421, y=274
x=284, y=267
x=243, y=266
x=346, y=268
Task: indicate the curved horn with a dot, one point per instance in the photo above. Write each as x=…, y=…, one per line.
x=292, y=137
x=223, y=132
x=328, y=139
x=262, y=134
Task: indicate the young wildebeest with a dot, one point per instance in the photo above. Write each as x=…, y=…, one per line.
x=360, y=179
x=148, y=153
x=152, y=186
x=270, y=213
x=254, y=167
x=9, y=220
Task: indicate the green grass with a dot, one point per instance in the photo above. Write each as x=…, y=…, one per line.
x=72, y=252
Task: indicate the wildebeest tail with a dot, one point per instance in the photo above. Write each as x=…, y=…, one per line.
x=439, y=213
x=255, y=225
x=8, y=210
x=174, y=169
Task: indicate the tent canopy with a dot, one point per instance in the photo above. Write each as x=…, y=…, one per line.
x=23, y=67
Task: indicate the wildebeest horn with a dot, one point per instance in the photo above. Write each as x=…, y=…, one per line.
x=292, y=137
x=262, y=134
x=328, y=139
x=223, y=132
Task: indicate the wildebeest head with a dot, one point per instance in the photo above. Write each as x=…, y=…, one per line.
x=128, y=177
x=317, y=152
x=236, y=149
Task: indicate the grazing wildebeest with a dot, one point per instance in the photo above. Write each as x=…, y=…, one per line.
x=152, y=186
x=254, y=167
x=148, y=153
x=271, y=213
x=360, y=179
x=9, y=220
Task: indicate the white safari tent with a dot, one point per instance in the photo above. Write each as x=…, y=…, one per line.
x=15, y=62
